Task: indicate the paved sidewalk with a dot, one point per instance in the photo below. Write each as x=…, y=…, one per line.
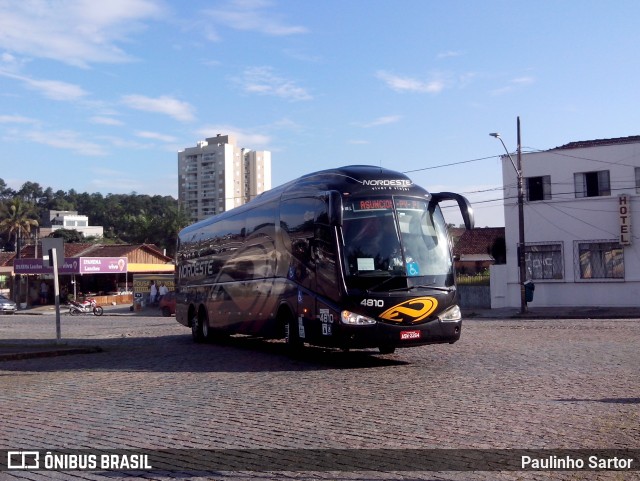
x=118, y=310
x=12, y=349
x=469, y=313
x=565, y=312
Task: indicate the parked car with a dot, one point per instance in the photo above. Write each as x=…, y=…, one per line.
x=7, y=306
x=168, y=304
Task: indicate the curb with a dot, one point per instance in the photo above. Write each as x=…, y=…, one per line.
x=12, y=356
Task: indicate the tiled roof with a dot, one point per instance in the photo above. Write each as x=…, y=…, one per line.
x=85, y=250
x=122, y=250
x=599, y=142
x=477, y=241
x=70, y=250
x=6, y=258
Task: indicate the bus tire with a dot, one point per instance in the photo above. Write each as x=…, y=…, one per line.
x=196, y=329
x=292, y=337
x=386, y=349
x=206, y=330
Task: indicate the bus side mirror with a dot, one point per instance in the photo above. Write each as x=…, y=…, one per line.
x=335, y=208
x=465, y=207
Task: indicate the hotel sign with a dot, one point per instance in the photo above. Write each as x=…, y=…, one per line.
x=624, y=214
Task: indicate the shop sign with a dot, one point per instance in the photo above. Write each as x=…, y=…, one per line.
x=73, y=265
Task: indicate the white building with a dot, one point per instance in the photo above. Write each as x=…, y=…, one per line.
x=580, y=205
x=216, y=175
x=70, y=220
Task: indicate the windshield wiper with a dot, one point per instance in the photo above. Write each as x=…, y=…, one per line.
x=424, y=286
x=377, y=286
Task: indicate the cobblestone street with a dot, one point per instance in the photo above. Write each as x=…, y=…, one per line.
x=507, y=384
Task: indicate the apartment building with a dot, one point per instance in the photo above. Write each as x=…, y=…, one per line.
x=217, y=175
x=580, y=208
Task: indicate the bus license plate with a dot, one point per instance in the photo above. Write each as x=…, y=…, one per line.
x=408, y=335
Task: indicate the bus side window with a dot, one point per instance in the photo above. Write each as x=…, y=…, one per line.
x=325, y=251
x=297, y=220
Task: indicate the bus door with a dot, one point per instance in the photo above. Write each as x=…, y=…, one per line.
x=312, y=265
x=327, y=283
x=297, y=220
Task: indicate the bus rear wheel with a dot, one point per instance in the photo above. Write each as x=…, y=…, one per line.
x=196, y=329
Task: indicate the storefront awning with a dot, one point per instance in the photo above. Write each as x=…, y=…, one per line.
x=139, y=268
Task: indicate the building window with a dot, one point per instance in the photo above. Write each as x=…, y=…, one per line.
x=600, y=260
x=638, y=180
x=544, y=261
x=592, y=184
x=539, y=188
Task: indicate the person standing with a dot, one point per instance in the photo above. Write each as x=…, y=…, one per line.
x=44, y=293
x=153, y=293
x=162, y=291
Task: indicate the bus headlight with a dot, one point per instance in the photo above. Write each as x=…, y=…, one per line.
x=451, y=314
x=354, y=319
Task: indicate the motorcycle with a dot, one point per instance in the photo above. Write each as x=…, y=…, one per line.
x=87, y=307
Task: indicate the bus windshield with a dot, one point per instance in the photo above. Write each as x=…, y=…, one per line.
x=396, y=236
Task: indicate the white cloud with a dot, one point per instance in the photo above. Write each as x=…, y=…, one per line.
x=385, y=120
x=155, y=136
x=182, y=111
x=252, y=15
x=53, y=89
x=262, y=80
x=57, y=90
x=76, y=32
x=106, y=121
x=449, y=54
x=513, y=85
x=408, y=84
x=11, y=63
x=523, y=81
x=244, y=138
x=16, y=119
x=65, y=139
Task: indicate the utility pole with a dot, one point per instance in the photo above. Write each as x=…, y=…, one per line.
x=522, y=265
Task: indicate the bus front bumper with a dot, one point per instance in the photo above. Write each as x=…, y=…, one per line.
x=382, y=334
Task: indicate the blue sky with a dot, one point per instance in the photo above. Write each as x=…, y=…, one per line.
x=100, y=96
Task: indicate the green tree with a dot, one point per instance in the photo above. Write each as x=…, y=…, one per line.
x=17, y=218
x=70, y=236
x=6, y=192
x=31, y=192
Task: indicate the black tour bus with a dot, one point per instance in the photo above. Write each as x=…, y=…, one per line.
x=352, y=257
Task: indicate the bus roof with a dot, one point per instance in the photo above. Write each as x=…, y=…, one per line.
x=350, y=179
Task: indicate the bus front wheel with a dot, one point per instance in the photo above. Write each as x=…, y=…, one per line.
x=292, y=336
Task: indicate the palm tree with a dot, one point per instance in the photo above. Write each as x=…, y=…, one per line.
x=17, y=219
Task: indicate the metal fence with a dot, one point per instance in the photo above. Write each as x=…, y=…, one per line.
x=482, y=279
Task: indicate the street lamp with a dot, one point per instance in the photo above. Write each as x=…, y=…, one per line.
x=521, y=253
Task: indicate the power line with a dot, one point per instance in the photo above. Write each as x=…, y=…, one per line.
x=450, y=164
